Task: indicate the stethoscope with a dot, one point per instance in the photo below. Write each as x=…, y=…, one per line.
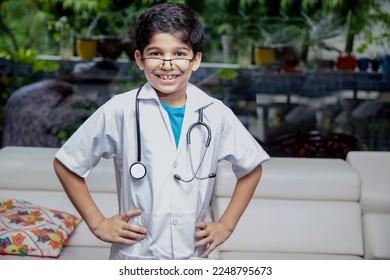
x=138, y=170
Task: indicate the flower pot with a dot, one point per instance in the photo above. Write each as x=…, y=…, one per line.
x=385, y=63
x=325, y=65
x=375, y=63
x=346, y=61
x=363, y=63
x=109, y=47
x=288, y=57
x=264, y=56
x=86, y=47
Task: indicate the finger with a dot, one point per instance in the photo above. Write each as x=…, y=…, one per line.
x=128, y=241
x=131, y=213
x=201, y=225
x=203, y=241
x=134, y=228
x=132, y=235
x=202, y=233
x=209, y=249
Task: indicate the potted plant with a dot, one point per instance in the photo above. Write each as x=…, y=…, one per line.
x=368, y=57
x=86, y=45
x=377, y=38
x=316, y=33
x=109, y=44
x=347, y=60
x=277, y=43
x=114, y=33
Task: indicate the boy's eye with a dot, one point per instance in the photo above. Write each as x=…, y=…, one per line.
x=155, y=54
x=181, y=54
x=159, y=54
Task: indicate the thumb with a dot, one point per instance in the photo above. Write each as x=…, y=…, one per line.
x=131, y=213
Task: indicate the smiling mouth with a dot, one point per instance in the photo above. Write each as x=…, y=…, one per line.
x=167, y=77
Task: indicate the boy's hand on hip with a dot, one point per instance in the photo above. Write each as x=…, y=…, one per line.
x=117, y=229
x=210, y=234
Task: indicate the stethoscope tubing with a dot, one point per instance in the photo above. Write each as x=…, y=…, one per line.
x=137, y=169
x=138, y=126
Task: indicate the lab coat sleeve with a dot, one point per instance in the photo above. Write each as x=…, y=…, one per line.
x=97, y=137
x=239, y=147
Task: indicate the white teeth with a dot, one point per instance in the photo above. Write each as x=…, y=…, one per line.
x=170, y=77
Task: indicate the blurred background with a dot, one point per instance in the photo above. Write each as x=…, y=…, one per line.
x=306, y=77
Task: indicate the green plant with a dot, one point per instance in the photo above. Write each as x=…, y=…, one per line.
x=377, y=31
x=29, y=30
x=13, y=78
x=354, y=14
x=226, y=74
x=316, y=32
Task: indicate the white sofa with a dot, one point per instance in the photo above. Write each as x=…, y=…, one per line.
x=27, y=173
x=303, y=209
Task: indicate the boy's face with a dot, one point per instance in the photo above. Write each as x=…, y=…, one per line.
x=169, y=78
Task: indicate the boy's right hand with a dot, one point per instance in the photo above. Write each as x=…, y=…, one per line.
x=117, y=229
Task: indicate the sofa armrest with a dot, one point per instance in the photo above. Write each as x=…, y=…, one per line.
x=376, y=236
x=373, y=168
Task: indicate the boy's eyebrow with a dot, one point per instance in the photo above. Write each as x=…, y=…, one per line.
x=154, y=48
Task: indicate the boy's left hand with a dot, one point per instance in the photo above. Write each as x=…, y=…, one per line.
x=211, y=234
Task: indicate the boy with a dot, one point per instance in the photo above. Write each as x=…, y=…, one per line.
x=173, y=134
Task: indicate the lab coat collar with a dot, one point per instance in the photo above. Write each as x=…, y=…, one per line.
x=196, y=98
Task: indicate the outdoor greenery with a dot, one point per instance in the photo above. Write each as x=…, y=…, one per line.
x=32, y=27
x=250, y=21
x=304, y=24
x=29, y=28
x=35, y=27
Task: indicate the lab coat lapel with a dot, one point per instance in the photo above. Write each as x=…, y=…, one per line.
x=149, y=93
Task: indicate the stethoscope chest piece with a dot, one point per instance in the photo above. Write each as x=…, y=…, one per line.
x=137, y=170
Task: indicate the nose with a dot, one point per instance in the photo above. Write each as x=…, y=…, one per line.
x=163, y=64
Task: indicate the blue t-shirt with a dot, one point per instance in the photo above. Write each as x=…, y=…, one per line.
x=176, y=116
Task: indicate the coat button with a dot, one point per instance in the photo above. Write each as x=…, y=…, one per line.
x=175, y=221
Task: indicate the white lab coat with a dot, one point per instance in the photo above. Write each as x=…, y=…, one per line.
x=170, y=208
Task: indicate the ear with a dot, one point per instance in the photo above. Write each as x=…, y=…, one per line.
x=137, y=56
x=196, y=62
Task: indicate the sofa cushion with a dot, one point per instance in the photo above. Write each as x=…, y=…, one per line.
x=376, y=236
x=305, y=178
x=374, y=170
x=107, y=203
x=296, y=226
x=27, y=229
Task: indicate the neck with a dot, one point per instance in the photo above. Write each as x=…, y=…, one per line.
x=172, y=100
